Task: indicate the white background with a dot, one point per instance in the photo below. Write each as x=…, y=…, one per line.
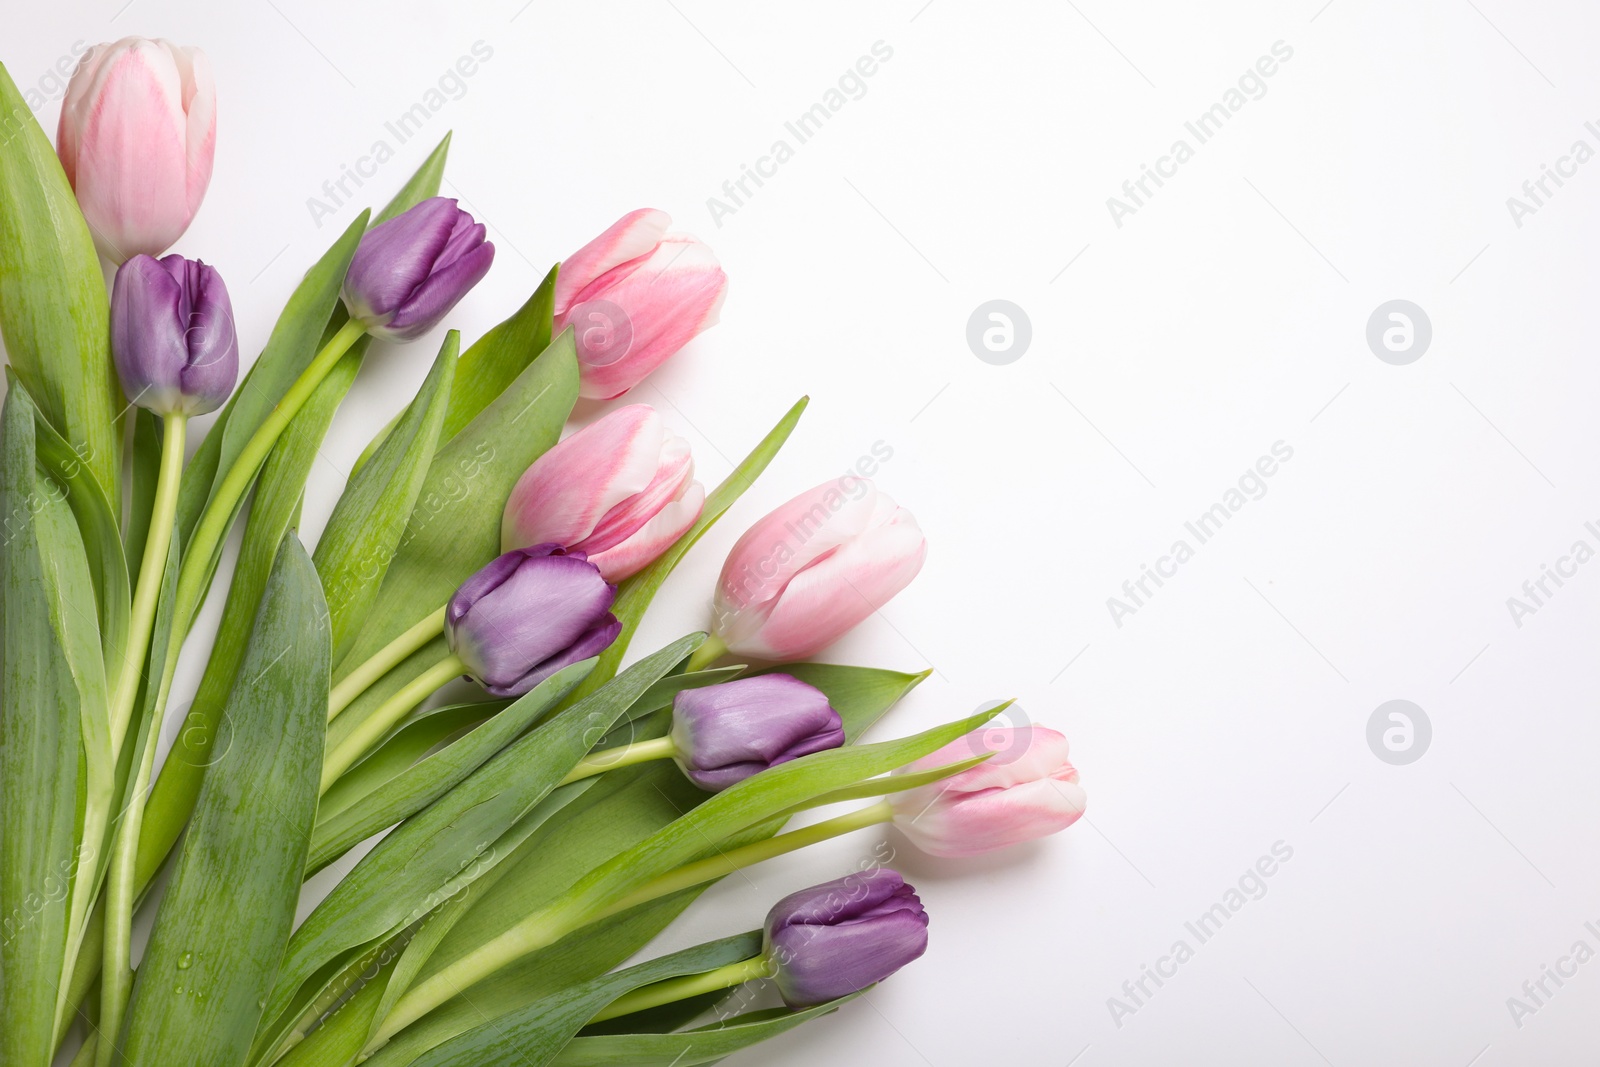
x=1229, y=313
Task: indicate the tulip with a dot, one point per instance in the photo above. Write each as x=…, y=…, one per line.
x=634, y=296
x=172, y=335
x=620, y=490
x=409, y=272
x=800, y=578
x=137, y=135
x=1027, y=790
x=723, y=734
x=839, y=937
x=526, y=615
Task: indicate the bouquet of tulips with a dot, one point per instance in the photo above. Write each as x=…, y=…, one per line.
x=517, y=848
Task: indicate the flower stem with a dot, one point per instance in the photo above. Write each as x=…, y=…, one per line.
x=383, y=661
x=682, y=988
x=151, y=570
x=196, y=572
x=561, y=917
x=384, y=717
x=627, y=756
x=725, y=863
x=116, y=972
x=707, y=654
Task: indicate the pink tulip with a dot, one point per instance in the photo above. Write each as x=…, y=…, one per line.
x=634, y=296
x=800, y=578
x=138, y=130
x=620, y=490
x=1026, y=791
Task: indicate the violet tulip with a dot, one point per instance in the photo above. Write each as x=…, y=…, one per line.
x=723, y=734
x=528, y=614
x=634, y=296
x=804, y=575
x=409, y=272
x=839, y=937
x=621, y=490
x=1027, y=790
x=137, y=135
x=172, y=335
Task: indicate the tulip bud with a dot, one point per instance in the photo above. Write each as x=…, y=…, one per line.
x=839, y=937
x=634, y=296
x=137, y=135
x=527, y=615
x=802, y=577
x=620, y=490
x=409, y=272
x=172, y=335
x=725, y=733
x=1026, y=791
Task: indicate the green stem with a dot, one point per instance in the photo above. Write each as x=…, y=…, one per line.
x=689, y=985
x=384, y=717
x=613, y=758
x=564, y=915
x=383, y=661
x=195, y=574
x=708, y=653
x=116, y=974
x=151, y=568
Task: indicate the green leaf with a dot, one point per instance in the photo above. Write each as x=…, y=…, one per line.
x=364, y=530
x=220, y=931
x=703, y=1045
x=488, y=368
x=635, y=594
x=277, y=501
x=41, y=714
x=421, y=186
x=626, y=807
x=142, y=489
x=54, y=315
x=424, y=732
x=420, y=785
x=455, y=527
x=535, y=1035
x=410, y=871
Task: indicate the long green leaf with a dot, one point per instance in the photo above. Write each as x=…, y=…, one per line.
x=40, y=734
x=422, y=733
x=54, y=315
x=276, y=506
x=364, y=530
x=220, y=931
x=420, y=785
x=534, y=1036
x=707, y=1044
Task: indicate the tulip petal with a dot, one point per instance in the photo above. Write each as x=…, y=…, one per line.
x=629, y=238
x=649, y=541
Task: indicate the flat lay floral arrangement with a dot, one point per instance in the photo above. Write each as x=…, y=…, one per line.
x=531, y=840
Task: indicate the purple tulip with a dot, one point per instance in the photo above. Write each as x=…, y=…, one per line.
x=172, y=335
x=839, y=937
x=409, y=272
x=528, y=614
x=725, y=733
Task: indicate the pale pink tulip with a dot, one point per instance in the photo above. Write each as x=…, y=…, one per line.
x=1026, y=790
x=620, y=490
x=802, y=577
x=137, y=135
x=634, y=296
